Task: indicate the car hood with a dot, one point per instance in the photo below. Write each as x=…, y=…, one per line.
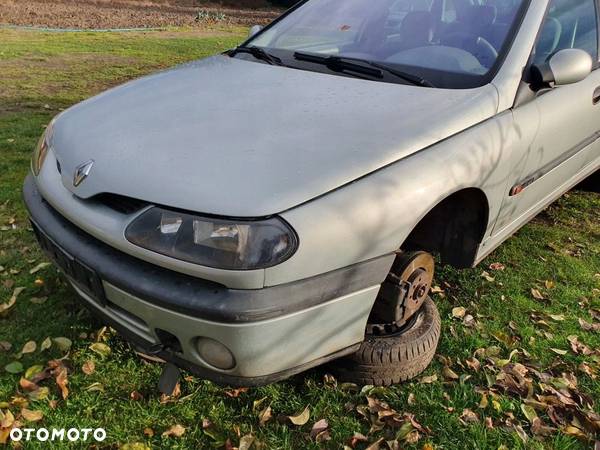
x=240, y=138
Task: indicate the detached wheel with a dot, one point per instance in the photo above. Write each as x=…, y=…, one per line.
x=402, y=354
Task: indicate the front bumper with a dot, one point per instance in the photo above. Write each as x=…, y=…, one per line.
x=272, y=333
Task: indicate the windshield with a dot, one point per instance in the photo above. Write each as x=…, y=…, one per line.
x=452, y=43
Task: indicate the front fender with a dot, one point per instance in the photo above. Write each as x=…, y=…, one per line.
x=373, y=215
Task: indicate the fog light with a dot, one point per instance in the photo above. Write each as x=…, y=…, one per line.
x=215, y=353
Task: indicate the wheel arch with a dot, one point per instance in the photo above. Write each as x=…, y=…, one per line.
x=453, y=228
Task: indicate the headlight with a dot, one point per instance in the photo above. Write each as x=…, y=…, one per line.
x=212, y=242
x=41, y=150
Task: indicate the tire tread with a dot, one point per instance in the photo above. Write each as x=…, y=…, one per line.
x=386, y=360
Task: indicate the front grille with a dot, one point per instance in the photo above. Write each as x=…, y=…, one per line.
x=120, y=203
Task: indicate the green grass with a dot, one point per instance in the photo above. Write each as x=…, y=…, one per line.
x=43, y=73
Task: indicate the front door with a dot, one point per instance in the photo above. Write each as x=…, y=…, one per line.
x=562, y=123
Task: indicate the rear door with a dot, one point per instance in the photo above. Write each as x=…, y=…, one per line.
x=564, y=122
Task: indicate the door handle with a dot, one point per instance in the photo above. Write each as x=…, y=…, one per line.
x=596, y=97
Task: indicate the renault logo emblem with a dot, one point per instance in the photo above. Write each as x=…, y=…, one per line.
x=82, y=171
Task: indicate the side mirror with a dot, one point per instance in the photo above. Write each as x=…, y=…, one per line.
x=254, y=30
x=567, y=66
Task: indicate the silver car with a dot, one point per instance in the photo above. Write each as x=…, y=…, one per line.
x=276, y=207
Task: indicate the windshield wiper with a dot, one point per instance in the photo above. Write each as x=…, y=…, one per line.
x=357, y=65
x=412, y=78
x=258, y=53
x=338, y=63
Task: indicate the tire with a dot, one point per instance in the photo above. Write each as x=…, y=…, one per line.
x=390, y=359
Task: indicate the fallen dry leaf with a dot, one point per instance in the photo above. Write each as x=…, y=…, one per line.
x=6, y=307
x=473, y=363
x=39, y=267
x=5, y=346
x=29, y=347
x=302, y=418
x=62, y=381
x=101, y=349
x=468, y=416
x=459, y=312
x=164, y=398
x=586, y=326
x=7, y=419
x=428, y=379
x=574, y=431
x=488, y=277
x=449, y=374
x=135, y=446
x=176, y=431
x=4, y=434
x=578, y=347
x=235, y=393
x=265, y=415
x=504, y=338
x=135, y=396
x=557, y=317
x=539, y=429
x=32, y=416
x=319, y=429
x=537, y=294
x=588, y=370
x=469, y=321
x=356, y=438
x=521, y=433
x=381, y=414
x=46, y=344
x=528, y=412
x=483, y=403
x=33, y=373
x=28, y=386
x=437, y=290
x=40, y=394
x=559, y=351
x=19, y=402
x=256, y=404
x=412, y=437
x=246, y=442
x=88, y=367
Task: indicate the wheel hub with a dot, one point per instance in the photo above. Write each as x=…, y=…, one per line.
x=402, y=293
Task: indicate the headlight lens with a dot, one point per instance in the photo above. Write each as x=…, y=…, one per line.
x=41, y=150
x=212, y=242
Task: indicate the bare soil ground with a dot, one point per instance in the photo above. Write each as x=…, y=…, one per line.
x=100, y=14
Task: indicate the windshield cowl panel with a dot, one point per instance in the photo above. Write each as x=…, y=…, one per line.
x=457, y=45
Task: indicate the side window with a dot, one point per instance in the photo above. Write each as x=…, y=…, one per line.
x=569, y=24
